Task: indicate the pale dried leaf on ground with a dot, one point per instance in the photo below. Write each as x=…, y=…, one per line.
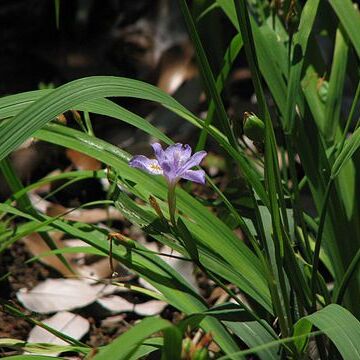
x=184, y=268
x=69, y=324
x=117, y=304
x=82, y=215
x=54, y=295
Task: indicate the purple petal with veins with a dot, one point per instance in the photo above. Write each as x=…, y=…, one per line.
x=150, y=165
x=194, y=160
x=159, y=152
x=197, y=176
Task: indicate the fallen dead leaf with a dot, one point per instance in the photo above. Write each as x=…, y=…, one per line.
x=69, y=324
x=109, y=289
x=84, y=215
x=81, y=215
x=149, y=308
x=82, y=161
x=184, y=268
x=117, y=304
x=112, y=321
x=96, y=271
x=176, y=67
x=54, y=295
x=36, y=246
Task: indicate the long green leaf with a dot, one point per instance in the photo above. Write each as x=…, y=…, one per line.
x=253, y=334
x=297, y=59
x=207, y=75
x=40, y=347
x=126, y=344
x=338, y=324
x=350, y=19
x=336, y=85
x=349, y=149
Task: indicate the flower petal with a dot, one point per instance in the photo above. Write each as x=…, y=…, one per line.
x=150, y=165
x=178, y=154
x=195, y=160
x=169, y=171
x=159, y=152
x=197, y=176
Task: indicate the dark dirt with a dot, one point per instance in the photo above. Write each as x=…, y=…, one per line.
x=103, y=327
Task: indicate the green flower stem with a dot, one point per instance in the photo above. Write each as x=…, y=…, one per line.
x=172, y=203
x=315, y=263
x=340, y=291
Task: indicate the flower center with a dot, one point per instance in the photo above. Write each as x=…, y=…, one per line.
x=155, y=167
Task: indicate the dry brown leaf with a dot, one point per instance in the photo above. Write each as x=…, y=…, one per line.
x=82, y=161
x=175, y=68
x=112, y=321
x=184, y=268
x=36, y=246
x=218, y=294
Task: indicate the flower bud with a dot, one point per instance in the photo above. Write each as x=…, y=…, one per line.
x=201, y=354
x=254, y=128
x=323, y=89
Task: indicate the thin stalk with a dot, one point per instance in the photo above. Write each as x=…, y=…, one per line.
x=278, y=306
x=303, y=182
x=315, y=263
x=207, y=75
x=295, y=199
x=349, y=119
x=88, y=124
x=340, y=291
x=172, y=203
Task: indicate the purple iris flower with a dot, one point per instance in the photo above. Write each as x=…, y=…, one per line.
x=174, y=163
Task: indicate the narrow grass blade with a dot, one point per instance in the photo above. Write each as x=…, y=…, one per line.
x=336, y=85
x=297, y=59
x=207, y=75
x=126, y=344
x=253, y=334
x=229, y=57
x=350, y=147
x=350, y=19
